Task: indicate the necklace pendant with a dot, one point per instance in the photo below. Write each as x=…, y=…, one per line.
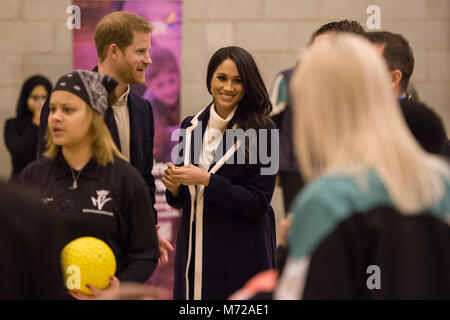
x=75, y=179
x=74, y=186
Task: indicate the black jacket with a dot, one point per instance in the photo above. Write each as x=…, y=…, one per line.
x=30, y=243
x=410, y=256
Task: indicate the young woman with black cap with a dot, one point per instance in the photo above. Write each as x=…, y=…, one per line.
x=86, y=179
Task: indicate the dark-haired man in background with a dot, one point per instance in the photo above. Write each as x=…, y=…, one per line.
x=423, y=122
x=399, y=58
x=289, y=176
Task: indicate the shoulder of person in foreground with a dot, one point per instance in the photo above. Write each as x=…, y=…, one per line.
x=32, y=238
x=327, y=201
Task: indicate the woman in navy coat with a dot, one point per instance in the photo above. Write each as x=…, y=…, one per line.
x=225, y=183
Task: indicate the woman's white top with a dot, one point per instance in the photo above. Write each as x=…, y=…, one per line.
x=213, y=134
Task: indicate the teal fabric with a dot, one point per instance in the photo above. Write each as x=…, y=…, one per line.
x=332, y=198
x=282, y=95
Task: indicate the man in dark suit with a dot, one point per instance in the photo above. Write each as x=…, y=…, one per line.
x=122, y=40
x=423, y=122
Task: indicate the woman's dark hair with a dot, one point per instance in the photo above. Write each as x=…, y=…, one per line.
x=255, y=106
x=22, y=110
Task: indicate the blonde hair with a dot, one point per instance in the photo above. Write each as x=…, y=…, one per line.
x=118, y=27
x=347, y=117
x=103, y=147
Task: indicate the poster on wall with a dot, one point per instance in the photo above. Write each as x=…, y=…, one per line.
x=162, y=89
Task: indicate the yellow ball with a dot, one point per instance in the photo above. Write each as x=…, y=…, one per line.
x=87, y=260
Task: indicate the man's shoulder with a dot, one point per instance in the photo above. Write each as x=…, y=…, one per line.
x=140, y=106
x=21, y=203
x=136, y=100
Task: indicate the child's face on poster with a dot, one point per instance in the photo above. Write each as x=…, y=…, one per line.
x=166, y=87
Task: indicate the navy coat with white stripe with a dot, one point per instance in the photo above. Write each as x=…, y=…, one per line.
x=234, y=223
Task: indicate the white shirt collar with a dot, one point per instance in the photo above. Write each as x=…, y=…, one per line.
x=123, y=99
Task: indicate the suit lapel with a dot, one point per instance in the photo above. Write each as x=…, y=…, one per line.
x=133, y=111
x=111, y=124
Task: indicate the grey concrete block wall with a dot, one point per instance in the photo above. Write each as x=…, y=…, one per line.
x=34, y=39
x=274, y=32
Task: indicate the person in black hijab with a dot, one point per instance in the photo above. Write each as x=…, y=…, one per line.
x=21, y=132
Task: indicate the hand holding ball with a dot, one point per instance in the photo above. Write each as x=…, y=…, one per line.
x=87, y=261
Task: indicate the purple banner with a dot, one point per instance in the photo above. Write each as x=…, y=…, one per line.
x=162, y=89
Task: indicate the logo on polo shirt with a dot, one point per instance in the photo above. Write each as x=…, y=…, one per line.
x=99, y=202
x=101, y=199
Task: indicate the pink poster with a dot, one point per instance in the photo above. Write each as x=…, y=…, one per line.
x=162, y=89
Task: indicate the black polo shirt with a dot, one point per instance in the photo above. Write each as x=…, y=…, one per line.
x=111, y=203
